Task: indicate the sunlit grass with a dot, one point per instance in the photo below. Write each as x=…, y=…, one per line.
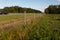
x=19, y=31
x=46, y=27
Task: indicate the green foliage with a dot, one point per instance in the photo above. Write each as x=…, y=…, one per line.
x=17, y=9
x=53, y=9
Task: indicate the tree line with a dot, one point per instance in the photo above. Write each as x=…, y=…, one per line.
x=53, y=9
x=17, y=9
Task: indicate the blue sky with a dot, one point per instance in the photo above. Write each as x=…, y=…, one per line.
x=35, y=4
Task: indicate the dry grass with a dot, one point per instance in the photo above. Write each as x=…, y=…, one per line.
x=15, y=28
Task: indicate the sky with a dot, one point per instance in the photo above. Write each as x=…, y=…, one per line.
x=35, y=4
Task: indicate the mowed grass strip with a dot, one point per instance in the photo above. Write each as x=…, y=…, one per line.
x=5, y=19
x=11, y=19
x=14, y=16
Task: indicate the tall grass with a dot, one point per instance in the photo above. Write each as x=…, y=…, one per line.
x=19, y=31
x=46, y=27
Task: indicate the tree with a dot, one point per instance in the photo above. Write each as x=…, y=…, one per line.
x=17, y=9
x=53, y=9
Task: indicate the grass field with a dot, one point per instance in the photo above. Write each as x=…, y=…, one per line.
x=40, y=27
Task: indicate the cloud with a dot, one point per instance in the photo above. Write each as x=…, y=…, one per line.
x=58, y=0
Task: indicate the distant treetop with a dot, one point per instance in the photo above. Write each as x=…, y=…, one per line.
x=53, y=9
x=17, y=9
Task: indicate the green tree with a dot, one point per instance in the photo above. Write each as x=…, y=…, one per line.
x=53, y=9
